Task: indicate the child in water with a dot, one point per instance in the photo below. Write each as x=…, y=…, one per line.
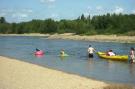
x=62, y=52
x=37, y=49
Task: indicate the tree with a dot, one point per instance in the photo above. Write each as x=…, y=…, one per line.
x=82, y=17
x=105, y=24
x=51, y=26
x=2, y=20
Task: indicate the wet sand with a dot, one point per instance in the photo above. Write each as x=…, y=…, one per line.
x=16, y=74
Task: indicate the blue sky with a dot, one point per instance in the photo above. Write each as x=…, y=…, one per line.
x=26, y=10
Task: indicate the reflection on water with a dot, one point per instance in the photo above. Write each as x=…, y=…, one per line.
x=132, y=69
x=62, y=58
x=39, y=56
x=110, y=64
x=77, y=62
x=90, y=63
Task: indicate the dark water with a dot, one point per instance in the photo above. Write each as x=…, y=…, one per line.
x=22, y=48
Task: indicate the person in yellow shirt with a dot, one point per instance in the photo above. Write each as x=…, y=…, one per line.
x=62, y=52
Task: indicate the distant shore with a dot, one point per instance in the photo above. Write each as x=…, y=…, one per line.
x=21, y=75
x=97, y=38
x=71, y=36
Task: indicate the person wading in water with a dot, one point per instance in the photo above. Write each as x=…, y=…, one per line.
x=91, y=50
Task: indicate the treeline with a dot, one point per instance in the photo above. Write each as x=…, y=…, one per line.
x=104, y=24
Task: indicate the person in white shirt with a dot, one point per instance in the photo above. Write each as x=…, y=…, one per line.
x=91, y=50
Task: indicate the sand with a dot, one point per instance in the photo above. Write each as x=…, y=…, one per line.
x=15, y=74
x=97, y=38
x=72, y=36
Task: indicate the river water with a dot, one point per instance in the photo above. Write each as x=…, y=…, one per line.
x=22, y=48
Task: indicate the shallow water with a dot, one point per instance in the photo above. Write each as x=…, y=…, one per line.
x=22, y=48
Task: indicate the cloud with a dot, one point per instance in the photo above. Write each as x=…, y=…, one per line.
x=27, y=10
x=2, y=14
x=89, y=8
x=54, y=16
x=50, y=6
x=94, y=10
x=16, y=14
x=88, y=11
x=19, y=15
x=22, y=15
x=15, y=11
x=86, y=14
x=118, y=10
x=133, y=11
x=47, y=1
x=99, y=8
x=50, y=0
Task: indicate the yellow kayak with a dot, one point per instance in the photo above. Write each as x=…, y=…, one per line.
x=115, y=58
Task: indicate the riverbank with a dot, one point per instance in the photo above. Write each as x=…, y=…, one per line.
x=21, y=75
x=98, y=38
x=72, y=36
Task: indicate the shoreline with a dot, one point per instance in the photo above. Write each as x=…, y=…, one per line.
x=72, y=36
x=30, y=34
x=17, y=74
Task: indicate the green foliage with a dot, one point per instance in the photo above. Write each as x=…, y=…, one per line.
x=105, y=24
x=5, y=28
x=51, y=26
x=2, y=20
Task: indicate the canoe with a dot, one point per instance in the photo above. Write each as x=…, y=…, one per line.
x=115, y=58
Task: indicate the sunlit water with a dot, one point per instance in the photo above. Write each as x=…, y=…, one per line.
x=77, y=62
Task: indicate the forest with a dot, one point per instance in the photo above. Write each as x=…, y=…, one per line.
x=108, y=24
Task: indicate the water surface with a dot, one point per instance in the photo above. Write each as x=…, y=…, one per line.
x=22, y=48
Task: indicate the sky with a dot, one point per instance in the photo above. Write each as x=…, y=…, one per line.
x=26, y=10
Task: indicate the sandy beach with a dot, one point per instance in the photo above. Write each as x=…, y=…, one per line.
x=72, y=36
x=16, y=74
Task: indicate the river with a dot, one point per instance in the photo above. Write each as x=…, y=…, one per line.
x=22, y=48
